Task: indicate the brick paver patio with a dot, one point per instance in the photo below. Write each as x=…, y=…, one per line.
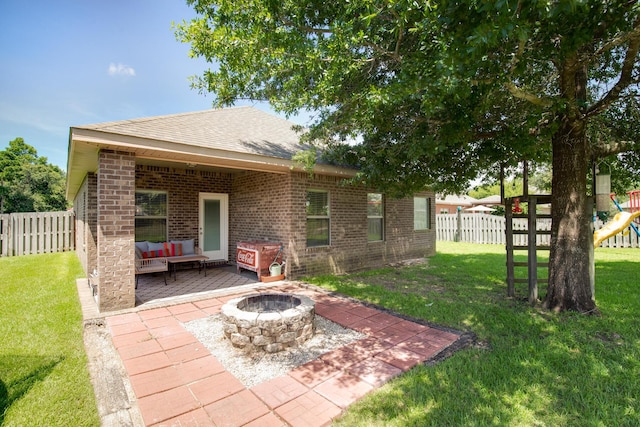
x=178, y=382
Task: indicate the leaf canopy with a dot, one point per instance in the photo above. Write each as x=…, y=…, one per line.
x=432, y=93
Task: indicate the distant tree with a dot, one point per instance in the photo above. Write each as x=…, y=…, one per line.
x=512, y=188
x=436, y=93
x=27, y=182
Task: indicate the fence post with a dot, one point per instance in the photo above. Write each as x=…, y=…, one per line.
x=532, y=253
x=511, y=290
x=458, y=235
x=5, y=238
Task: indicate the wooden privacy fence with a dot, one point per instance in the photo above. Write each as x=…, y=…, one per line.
x=490, y=229
x=36, y=233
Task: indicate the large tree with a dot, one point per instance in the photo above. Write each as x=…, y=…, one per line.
x=435, y=92
x=28, y=183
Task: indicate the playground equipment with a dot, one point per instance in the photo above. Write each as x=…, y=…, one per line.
x=513, y=211
x=535, y=231
x=634, y=201
x=618, y=224
x=621, y=220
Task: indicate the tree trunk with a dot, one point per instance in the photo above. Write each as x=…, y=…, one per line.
x=571, y=232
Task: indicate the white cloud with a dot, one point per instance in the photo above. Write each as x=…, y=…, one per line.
x=121, y=70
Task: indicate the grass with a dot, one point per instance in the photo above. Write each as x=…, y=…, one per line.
x=44, y=380
x=530, y=367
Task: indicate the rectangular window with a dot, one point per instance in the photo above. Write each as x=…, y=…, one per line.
x=421, y=213
x=318, y=224
x=151, y=216
x=375, y=217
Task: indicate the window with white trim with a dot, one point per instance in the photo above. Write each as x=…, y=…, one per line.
x=318, y=219
x=421, y=213
x=151, y=216
x=375, y=217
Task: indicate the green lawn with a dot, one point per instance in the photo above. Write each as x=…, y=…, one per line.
x=530, y=367
x=44, y=380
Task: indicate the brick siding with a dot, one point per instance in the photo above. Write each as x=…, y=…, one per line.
x=268, y=206
x=349, y=248
x=262, y=206
x=259, y=208
x=183, y=187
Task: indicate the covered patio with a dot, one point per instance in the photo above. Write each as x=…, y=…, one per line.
x=189, y=282
x=214, y=181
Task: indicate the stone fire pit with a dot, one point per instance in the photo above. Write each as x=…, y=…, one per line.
x=268, y=322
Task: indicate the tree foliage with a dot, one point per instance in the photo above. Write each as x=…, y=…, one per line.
x=431, y=93
x=438, y=91
x=27, y=182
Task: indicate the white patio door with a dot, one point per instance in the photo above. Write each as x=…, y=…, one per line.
x=213, y=225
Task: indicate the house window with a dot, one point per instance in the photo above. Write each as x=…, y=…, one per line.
x=151, y=216
x=421, y=213
x=317, y=218
x=375, y=217
x=444, y=211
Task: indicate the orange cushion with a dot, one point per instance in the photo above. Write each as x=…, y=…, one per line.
x=177, y=249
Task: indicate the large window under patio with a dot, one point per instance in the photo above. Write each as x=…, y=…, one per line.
x=151, y=216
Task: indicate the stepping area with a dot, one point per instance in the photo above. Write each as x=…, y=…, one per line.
x=177, y=381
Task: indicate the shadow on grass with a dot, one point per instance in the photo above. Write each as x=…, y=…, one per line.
x=19, y=375
x=422, y=290
x=538, y=367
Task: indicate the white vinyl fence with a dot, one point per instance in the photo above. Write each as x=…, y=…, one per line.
x=490, y=229
x=36, y=233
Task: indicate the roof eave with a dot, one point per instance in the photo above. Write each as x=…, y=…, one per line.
x=85, y=144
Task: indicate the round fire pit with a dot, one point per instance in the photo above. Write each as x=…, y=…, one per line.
x=268, y=322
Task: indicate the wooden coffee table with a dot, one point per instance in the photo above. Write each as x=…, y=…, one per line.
x=175, y=260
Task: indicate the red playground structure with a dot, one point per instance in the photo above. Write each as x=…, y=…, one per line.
x=634, y=200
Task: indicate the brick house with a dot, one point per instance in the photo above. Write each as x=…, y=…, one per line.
x=153, y=178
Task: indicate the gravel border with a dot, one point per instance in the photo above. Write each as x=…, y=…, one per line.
x=255, y=368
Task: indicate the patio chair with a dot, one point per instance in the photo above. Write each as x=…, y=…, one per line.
x=151, y=265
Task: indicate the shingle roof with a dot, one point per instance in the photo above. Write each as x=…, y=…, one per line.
x=453, y=199
x=240, y=138
x=490, y=200
x=239, y=129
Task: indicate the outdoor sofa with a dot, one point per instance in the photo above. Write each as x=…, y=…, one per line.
x=152, y=257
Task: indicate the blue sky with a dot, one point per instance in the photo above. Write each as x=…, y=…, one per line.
x=75, y=62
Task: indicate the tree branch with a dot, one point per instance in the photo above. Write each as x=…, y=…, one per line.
x=614, y=42
x=521, y=94
x=604, y=149
x=305, y=28
x=396, y=52
x=626, y=74
x=518, y=92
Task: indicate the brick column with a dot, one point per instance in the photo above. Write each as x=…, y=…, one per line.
x=116, y=209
